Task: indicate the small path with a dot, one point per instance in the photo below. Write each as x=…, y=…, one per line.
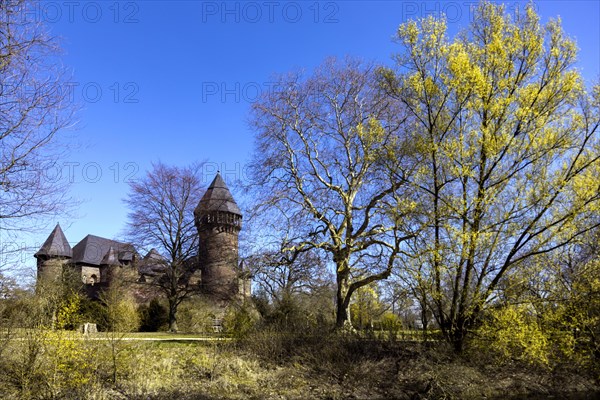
x=146, y=339
x=174, y=339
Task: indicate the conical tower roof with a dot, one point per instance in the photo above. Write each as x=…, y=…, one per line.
x=111, y=257
x=153, y=263
x=217, y=198
x=153, y=256
x=56, y=245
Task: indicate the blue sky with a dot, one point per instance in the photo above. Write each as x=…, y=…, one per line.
x=173, y=81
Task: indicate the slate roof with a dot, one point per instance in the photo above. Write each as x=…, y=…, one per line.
x=154, y=256
x=55, y=245
x=110, y=258
x=218, y=198
x=152, y=263
x=93, y=249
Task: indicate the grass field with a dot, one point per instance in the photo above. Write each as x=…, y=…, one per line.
x=264, y=365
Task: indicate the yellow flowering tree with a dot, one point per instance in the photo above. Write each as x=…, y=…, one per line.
x=68, y=311
x=366, y=307
x=572, y=307
x=506, y=133
x=513, y=332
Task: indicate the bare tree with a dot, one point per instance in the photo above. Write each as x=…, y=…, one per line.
x=34, y=107
x=162, y=217
x=330, y=161
x=283, y=273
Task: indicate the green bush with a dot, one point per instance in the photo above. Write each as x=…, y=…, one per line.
x=391, y=324
x=240, y=320
x=94, y=312
x=195, y=316
x=153, y=317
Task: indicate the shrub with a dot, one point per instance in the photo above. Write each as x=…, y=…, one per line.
x=68, y=314
x=195, y=315
x=240, y=320
x=153, y=317
x=391, y=324
x=512, y=332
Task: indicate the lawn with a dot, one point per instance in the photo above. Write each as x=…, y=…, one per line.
x=264, y=365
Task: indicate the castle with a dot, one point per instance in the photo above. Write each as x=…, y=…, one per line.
x=216, y=270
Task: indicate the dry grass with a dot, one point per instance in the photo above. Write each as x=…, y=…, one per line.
x=268, y=365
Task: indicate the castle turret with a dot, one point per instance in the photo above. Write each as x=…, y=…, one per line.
x=219, y=220
x=53, y=255
x=108, y=266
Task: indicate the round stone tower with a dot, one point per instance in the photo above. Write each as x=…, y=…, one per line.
x=219, y=220
x=54, y=254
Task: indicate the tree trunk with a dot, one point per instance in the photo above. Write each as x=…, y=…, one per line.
x=342, y=317
x=457, y=339
x=458, y=331
x=424, y=319
x=114, y=360
x=172, y=324
x=173, y=316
